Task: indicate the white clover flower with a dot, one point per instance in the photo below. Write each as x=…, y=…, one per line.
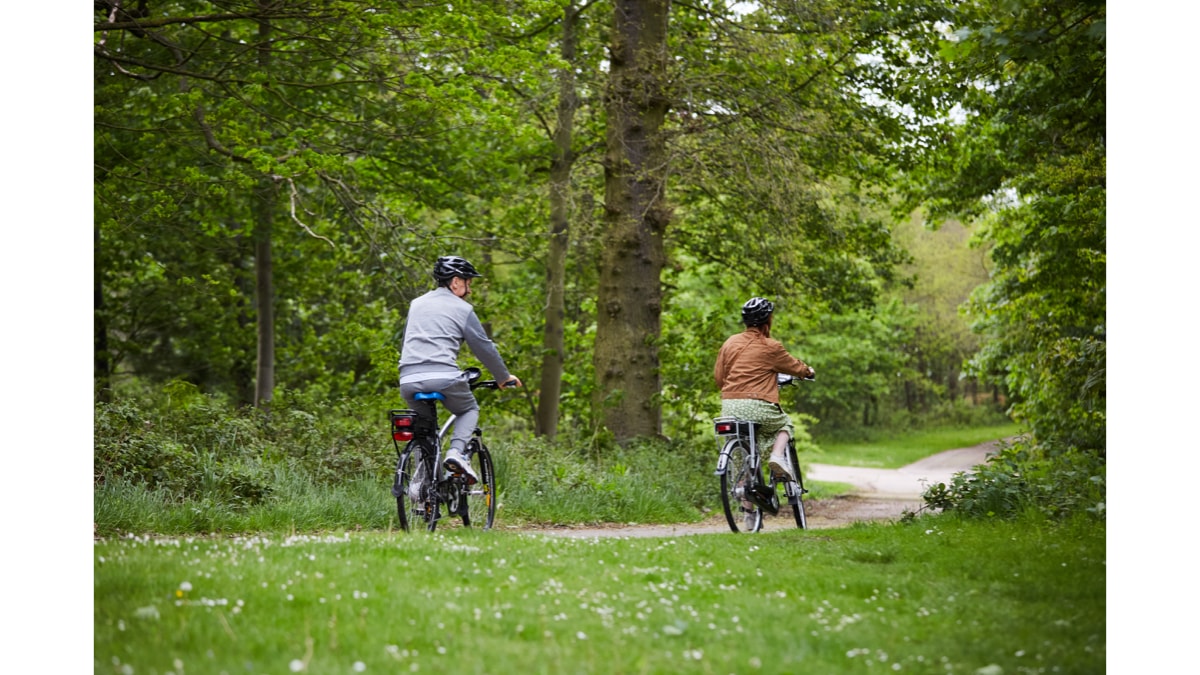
x=149, y=612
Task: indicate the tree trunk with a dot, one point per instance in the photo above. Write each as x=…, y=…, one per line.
x=243, y=364
x=560, y=220
x=102, y=367
x=629, y=301
x=264, y=291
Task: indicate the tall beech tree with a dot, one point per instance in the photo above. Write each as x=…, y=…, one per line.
x=629, y=298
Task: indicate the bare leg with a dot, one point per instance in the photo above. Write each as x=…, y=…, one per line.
x=779, y=464
x=781, y=441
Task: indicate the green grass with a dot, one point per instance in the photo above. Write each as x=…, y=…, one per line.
x=932, y=596
x=895, y=451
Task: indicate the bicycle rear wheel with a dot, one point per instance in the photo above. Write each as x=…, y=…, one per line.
x=735, y=480
x=413, y=491
x=477, y=502
x=401, y=486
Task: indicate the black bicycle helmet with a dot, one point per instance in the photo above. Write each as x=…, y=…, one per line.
x=449, y=266
x=757, y=311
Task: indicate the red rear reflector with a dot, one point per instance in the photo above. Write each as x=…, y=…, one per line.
x=402, y=427
x=725, y=427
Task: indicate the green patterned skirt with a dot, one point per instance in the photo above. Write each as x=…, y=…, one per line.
x=770, y=417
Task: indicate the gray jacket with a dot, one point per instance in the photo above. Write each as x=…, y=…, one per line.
x=438, y=323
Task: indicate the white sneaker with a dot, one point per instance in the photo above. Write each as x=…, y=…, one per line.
x=780, y=467
x=456, y=463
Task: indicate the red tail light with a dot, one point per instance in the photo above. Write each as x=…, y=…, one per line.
x=726, y=428
x=402, y=427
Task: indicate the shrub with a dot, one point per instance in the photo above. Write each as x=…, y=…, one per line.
x=1026, y=477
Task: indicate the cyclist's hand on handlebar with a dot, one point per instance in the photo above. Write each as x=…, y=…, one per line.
x=512, y=382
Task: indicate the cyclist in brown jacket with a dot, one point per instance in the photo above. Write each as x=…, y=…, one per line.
x=745, y=372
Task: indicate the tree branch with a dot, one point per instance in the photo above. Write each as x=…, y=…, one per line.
x=292, y=201
x=185, y=20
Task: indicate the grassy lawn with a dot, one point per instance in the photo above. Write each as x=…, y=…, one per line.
x=933, y=596
x=893, y=452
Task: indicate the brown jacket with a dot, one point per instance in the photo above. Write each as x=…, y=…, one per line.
x=747, y=363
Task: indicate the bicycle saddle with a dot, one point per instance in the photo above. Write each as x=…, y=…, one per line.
x=429, y=396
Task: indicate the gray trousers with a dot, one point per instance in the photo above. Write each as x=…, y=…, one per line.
x=459, y=400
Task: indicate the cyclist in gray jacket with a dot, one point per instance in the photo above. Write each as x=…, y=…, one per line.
x=438, y=324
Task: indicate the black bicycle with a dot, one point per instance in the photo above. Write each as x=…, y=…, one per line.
x=748, y=489
x=419, y=496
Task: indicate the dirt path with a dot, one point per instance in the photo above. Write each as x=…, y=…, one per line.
x=878, y=494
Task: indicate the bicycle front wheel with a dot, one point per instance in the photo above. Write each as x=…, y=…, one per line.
x=795, y=490
x=736, y=480
x=478, y=501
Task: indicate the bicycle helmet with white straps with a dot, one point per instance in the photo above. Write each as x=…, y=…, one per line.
x=757, y=311
x=449, y=266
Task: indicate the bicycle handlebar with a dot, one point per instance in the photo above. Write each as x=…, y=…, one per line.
x=475, y=383
x=783, y=379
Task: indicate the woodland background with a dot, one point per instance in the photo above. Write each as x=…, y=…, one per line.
x=920, y=186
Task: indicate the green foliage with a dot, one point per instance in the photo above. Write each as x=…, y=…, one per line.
x=188, y=462
x=860, y=361
x=1023, y=479
x=645, y=481
x=1045, y=309
x=1029, y=161
x=382, y=139
x=192, y=447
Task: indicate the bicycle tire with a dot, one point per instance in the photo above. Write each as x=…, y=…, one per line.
x=478, y=501
x=797, y=488
x=400, y=486
x=737, y=476
x=430, y=493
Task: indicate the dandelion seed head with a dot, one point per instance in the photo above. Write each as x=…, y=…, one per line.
x=296, y=665
x=359, y=666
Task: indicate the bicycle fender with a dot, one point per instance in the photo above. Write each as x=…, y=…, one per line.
x=723, y=458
